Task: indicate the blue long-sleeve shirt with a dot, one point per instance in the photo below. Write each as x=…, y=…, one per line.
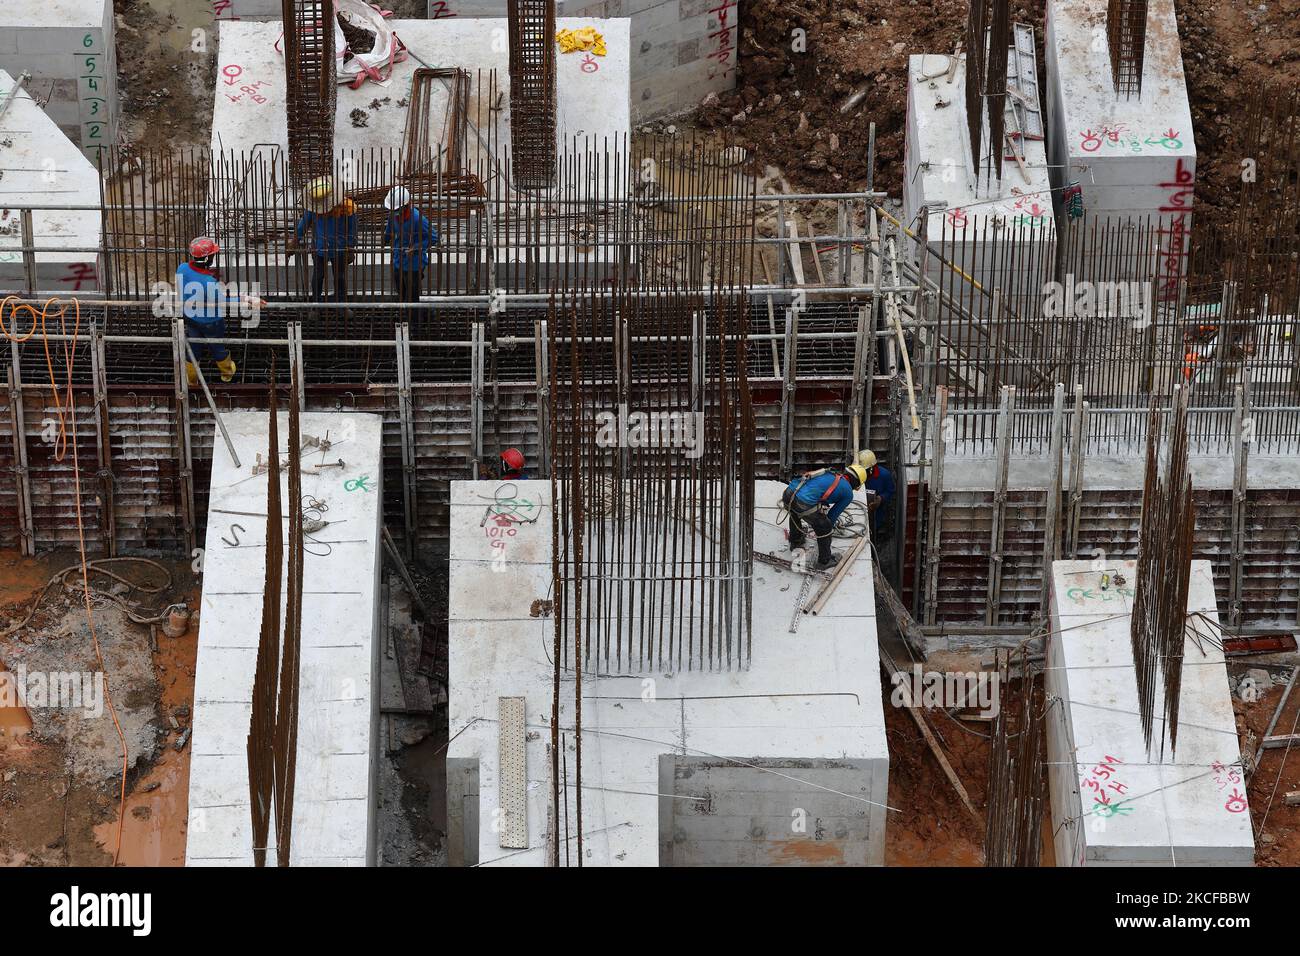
x=204, y=303
x=333, y=232
x=881, y=481
x=412, y=236
x=814, y=488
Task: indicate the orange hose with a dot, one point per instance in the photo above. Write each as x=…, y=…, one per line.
x=13, y=310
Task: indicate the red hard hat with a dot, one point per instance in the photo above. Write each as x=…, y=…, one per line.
x=513, y=458
x=203, y=247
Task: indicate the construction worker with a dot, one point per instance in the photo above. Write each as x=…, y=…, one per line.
x=332, y=219
x=880, y=482
x=512, y=465
x=509, y=466
x=411, y=236
x=818, y=498
x=204, y=304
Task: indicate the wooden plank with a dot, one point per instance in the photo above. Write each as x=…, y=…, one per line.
x=890, y=668
x=840, y=573
x=796, y=256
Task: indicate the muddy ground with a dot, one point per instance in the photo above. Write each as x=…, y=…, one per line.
x=63, y=765
x=786, y=107
x=1276, y=825
x=61, y=769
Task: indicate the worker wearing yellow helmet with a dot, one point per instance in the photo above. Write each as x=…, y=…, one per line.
x=328, y=226
x=879, y=481
x=816, y=499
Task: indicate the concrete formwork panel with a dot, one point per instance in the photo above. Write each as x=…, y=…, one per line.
x=67, y=46
x=785, y=762
x=334, y=802
x=1113, y=803
x=39, y=164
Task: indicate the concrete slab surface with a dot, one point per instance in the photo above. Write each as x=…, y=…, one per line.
x=338, y=706
x=803, y=727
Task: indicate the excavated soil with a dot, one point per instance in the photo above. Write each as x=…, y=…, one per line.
x=931, y=826
x=59, y=789
x=1277, y=826
x=786, y=107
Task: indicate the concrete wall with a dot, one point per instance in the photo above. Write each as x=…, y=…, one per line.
x=1113, y=801
x=67, y=45
x=735, y=815
x=939, y=172
x=1134, y=156
x=335, y=792
x=39, y=164
x=462, y=811
x=682, y=50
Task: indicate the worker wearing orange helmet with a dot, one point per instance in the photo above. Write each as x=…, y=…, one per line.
x=204, y=305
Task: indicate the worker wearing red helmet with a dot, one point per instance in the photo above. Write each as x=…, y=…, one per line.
x=512, y=465
x=204, y=304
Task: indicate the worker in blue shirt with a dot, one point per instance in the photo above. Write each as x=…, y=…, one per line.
x=205, y=302
x=332, y=221
x=880, y=481
x=817, y=499
x=411, y=236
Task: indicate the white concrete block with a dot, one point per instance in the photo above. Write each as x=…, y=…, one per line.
x=1104, y=140
x=338, y=708
x=633, y=749
x=54, y=15
x=1113, y=802
x=594, y=103
x=940, y=172
x=41, y=165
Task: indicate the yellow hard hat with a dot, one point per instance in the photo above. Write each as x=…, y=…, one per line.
x=867, y=459
x=319, y=194
x=858, y=472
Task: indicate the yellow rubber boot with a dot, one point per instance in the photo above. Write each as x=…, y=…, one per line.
x=192, y=374
x=227, y=368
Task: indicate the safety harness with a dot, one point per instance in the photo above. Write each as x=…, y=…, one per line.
x=823, y=504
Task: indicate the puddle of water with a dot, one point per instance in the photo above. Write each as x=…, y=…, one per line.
x=154, y=831
x=14, y=720
x=190, y=15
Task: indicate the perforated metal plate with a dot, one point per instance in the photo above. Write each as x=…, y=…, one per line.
x=1023, y=114
x=512, y=773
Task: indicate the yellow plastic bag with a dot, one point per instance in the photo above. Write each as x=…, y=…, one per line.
x=584, y=39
